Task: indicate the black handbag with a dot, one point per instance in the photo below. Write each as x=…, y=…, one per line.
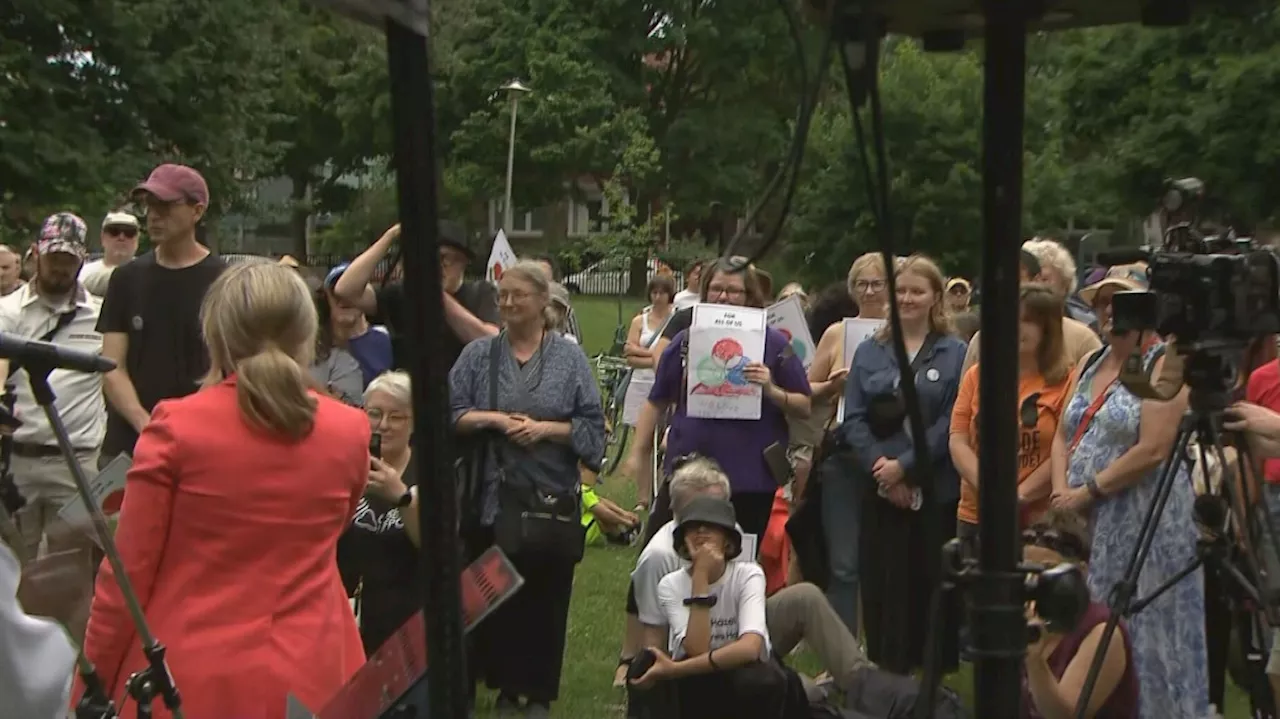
x=531, y=521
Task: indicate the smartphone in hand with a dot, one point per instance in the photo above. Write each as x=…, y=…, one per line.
x=375, y=445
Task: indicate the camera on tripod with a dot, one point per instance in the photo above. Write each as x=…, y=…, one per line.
x=1210, y=289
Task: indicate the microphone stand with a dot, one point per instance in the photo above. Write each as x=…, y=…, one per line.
x=155, y=680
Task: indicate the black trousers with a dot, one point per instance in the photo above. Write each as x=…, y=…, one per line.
x=519, y=649
x=763, y=690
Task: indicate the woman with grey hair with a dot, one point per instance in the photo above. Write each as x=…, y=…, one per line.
x=529, y=393
x=378, y=554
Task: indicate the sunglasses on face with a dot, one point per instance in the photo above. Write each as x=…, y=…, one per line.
x=1068, y=545
x=959, y=290
x=126, y=232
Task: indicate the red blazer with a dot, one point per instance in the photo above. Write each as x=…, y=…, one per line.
x=229, y=537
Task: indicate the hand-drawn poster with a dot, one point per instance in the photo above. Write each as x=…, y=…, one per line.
x=788, y=318
x=723, y=340
x=855, y=331
x=500, y=258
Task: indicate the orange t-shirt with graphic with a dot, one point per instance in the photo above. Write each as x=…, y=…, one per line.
x=1035, y=432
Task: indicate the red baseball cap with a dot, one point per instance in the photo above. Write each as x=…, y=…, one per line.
x=172, y=183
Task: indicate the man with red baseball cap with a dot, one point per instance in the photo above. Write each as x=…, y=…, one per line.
x=150, y=319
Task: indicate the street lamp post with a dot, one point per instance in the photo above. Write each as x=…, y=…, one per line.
x=515, y=89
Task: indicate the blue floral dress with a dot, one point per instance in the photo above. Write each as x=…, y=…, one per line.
x=1168, y=635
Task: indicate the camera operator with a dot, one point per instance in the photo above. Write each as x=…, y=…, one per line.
x=1058, y=658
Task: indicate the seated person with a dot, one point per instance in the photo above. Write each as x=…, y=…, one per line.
x=721, y=659
x=603, y=519
x=796, y=613
x=1057, y=663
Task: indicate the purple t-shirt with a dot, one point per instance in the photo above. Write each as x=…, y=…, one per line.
x=737, y=444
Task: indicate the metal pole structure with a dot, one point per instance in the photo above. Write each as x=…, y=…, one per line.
x=999, y=623
x=514, y=88
x=413, y=121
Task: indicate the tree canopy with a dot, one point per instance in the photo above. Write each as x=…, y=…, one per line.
x=686, y=105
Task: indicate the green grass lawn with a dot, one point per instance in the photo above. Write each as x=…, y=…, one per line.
x=600, y=584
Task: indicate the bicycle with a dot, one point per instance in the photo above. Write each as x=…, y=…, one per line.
x=614, y=375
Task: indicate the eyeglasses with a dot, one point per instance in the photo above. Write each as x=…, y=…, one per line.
x=392, y=419
x=873, y=285
x=1068, y=545
x=731, y=292
x=513, y=295
x=126, y=232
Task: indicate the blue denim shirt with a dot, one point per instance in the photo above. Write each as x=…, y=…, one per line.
x=875, y=372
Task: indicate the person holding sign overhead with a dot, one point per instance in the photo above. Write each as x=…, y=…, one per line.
x=739, y=445
x=900, y=533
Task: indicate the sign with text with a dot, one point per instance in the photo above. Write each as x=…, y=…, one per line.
x=855, y=332
x=723, y=340
x=500, y=258
x=107, y=491
x=788, y=318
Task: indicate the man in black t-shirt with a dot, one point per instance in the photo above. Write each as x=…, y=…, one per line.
x=470, y=307
x=150, y=319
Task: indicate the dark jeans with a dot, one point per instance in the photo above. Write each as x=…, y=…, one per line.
x=756, y=691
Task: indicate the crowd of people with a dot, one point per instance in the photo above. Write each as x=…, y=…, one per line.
x=270, y=527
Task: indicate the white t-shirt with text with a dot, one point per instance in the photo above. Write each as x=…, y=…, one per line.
x=739, y=608
x=657, y=560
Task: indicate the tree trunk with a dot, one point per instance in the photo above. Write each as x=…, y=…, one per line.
x=639, y=265
x=299, y=214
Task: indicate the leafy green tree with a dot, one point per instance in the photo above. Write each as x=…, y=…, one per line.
x=1204, y=106
x=96, y=93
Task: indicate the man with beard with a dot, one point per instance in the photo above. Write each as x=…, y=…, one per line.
x=470, y=306
x=150, y=320
x=54, y=307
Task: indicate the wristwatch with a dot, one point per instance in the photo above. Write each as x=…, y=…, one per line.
x=705, y=600
x=405, y=499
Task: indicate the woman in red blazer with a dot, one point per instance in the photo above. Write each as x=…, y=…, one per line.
x=231, y=518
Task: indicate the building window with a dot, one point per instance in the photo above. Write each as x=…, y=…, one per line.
x=525, y=223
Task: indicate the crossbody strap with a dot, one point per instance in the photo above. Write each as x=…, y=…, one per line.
x=64, y=318
x=495, y=357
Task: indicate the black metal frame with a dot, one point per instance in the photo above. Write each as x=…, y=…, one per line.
x=417, y=184
x=999, y=620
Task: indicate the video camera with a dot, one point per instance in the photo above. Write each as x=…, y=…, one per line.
x=1207, y=290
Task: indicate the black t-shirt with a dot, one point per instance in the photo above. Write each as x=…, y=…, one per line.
x=159, y=309
x=680, y=321
x=376, y=549
x=477, y=296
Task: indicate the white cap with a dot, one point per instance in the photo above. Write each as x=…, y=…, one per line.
x=116, y=219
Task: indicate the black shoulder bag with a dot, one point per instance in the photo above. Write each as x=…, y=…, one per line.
x=531, y=522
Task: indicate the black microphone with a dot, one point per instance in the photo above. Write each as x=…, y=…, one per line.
x=25, y=352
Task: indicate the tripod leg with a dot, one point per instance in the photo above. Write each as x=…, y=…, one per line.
x=1125, y=588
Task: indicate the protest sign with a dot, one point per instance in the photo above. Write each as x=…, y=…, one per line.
x=788, y=318
x=723, y=340
x=855, y=332
x=500, y=258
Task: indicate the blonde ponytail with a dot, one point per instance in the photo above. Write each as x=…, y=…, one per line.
x=271, y=389
x=259, y=322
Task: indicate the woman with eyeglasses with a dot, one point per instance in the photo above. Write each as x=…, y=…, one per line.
x=737, y=445
x=378, y=554
x=902, y=526
x=1108, y=454
x=540, y=422
x=1058, y=658
x=841, y=493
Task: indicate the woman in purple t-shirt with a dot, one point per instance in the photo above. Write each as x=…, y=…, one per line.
x=737, y=445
